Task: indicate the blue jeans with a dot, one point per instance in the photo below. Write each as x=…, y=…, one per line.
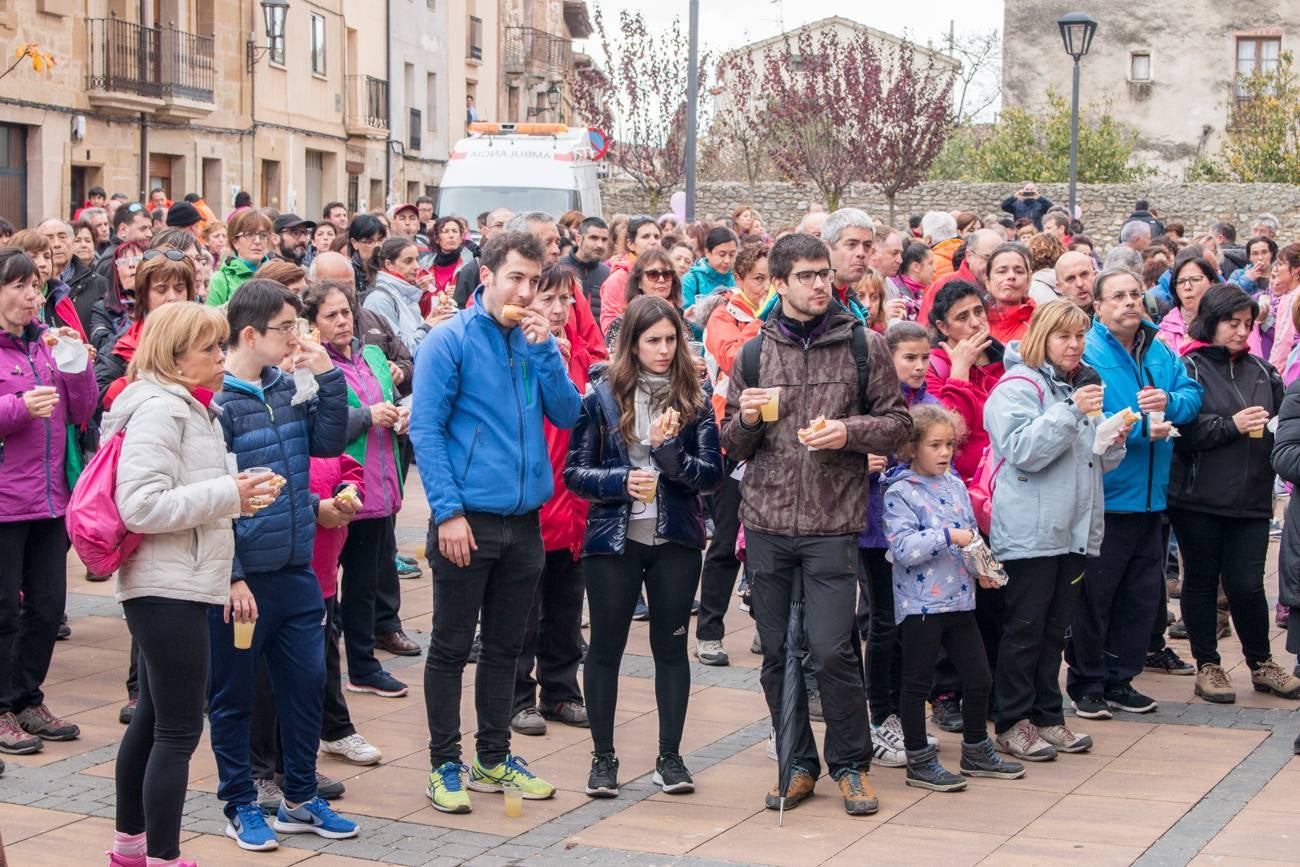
x=288, y=634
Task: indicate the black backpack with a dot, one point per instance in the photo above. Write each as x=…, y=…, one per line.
x=750, y=352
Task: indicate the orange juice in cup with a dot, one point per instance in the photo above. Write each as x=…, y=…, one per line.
x=771, y=410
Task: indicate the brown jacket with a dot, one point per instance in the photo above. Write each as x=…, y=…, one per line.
x=787, y=489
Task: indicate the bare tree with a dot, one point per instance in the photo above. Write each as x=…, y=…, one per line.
x=640, y=98
x=739, y=122
x=978, y=85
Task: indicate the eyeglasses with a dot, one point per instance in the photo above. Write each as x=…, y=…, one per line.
x=808, y=279
x=1131, y=295
x=286, y=330
x=255, y=236
x=128, y=260
x=656, y=275
x=1189, y=282
x=173, y=255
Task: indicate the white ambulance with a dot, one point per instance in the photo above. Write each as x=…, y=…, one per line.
x=523, y=167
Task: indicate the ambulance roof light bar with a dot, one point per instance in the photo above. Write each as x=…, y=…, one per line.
x=540, y=129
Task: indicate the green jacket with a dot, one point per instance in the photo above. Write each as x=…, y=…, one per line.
x=232, y=274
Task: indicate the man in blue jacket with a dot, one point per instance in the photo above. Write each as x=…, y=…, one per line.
x=487, y=377
x=272, y=582
x=1123, y=585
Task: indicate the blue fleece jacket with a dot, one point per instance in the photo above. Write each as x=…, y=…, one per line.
x=1139, y=483
x=701, y=280
x=929, y=576
x=476, y=415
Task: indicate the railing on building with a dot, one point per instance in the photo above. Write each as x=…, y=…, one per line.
x=414, y=127
x=367, y=102
x=474, y=45
x=527, y=49
x=158, y=62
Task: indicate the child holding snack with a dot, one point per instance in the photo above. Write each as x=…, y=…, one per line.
x=928, y=520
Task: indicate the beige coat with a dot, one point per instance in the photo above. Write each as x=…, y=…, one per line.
x=175, y=487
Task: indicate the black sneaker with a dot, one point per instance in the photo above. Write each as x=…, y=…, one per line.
x=945, y=711
x=602, y=782
x=1124, y=697
x=982, y=760
x=1178, y=629
x=925, y=772
x=671, y=775
x=1167, y=662
x=1091, y=706
x=476, y=648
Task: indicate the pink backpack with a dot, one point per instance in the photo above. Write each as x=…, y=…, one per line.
x=986, y=473
x=94, y=524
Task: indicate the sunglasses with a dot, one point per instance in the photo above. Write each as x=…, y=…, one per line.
x=656, y=275
x=173, y=255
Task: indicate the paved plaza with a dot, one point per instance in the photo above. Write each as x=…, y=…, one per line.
x=1193, y=783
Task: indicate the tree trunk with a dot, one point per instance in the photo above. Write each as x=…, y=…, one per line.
x=889, y=197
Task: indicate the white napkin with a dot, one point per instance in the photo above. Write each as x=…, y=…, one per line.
x=305, y=386
x=70, y=355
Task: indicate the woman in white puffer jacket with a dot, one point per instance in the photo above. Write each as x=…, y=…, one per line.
x=175, y=487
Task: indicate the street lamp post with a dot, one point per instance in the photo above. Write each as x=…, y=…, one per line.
x=1077, y=30
x=274, y=12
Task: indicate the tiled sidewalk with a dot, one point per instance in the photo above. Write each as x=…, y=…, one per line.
x=1192, y=783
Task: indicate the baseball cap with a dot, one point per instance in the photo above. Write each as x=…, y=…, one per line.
x=284, y=222
x=404, y=206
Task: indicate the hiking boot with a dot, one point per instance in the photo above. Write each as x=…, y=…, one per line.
x=887, y=749
x=127, y=713
x=1178, y=629
x=815, y=705
x=981, y=760
x=1124, y=697
x=269, y=796
x=15, y=741
x=528, y=722
x=571, y=713
x=1091, y=706
x=381, y=683
x=756, y=646
x=945, y=712
x=925, y=772
x=1165, y=661
x=671, y=775
x=475, y=648
x=1213, y=684
x=859, y=798
x=353, y=749
x=45, y=725
x=602, y=782
x=512, y=770
x=710, y=652
x=1065, y=740
x=447, y=790
x=1270, y=677
x=1023, y=741
x=801, y=789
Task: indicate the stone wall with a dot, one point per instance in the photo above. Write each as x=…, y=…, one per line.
x=1104, y=205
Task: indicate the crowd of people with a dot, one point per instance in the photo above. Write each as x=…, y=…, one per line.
x=935, y=463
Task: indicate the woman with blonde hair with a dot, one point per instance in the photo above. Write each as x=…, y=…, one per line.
x=174, y=488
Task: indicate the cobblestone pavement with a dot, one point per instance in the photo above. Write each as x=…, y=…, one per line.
x=1190, y=783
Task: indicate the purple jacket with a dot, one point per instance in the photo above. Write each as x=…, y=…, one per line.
x=874, y=535
x=33, y=484
x=383, y=488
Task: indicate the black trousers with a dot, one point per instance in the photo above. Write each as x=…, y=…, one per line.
x=959, y=634
x=153, y=759
x=1215, y=546
x=718, y=579
x=1040, y=601
x=496, y=589
x=33, y=564
x=336, y=722
x=875, y=622
x=668, y=573
x=990, y=610
x=1111, y=630
x=133, y=674
x=370, y=551
x=1161, y=621
x=553, y=636
x=388, y=590
x=827, y=567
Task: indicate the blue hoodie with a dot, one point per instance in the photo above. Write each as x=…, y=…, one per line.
x=1139, y=483
x=476, y=416
x=701, y=280
x=929, y=576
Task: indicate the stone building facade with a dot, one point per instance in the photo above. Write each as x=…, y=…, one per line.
x=1104, y=205
x=1170, y=74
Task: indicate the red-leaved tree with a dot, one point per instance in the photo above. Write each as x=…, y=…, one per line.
x=740, y=128
x=845, y=110
x=639, y=95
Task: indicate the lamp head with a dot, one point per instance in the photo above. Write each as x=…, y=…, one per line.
x=1077, y=30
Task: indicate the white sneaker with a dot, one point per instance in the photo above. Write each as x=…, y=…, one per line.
x=887, y=748
x=353, y=748
x=894, y=726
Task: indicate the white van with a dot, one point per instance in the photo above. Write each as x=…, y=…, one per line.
x=524, y=167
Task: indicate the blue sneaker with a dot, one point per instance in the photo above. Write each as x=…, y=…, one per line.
x=408, y=567
x=381, y=683
x=248, y=828
x=642, y=611
x=314, y=817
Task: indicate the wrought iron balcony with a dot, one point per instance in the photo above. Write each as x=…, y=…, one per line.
x=135, y=68
x=533, y=51
x=367, y=112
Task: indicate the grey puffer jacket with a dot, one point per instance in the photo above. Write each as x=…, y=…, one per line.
x=1048, y=498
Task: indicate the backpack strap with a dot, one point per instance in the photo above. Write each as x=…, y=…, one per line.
x=862, y=361
x=1038, y=388
x=750, y=355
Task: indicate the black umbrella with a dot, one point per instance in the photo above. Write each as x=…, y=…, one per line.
x=792, y=690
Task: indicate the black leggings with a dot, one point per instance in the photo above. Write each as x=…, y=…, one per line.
x=876, y=624
x=959, y=634
x=670, y=573
x=153, y=760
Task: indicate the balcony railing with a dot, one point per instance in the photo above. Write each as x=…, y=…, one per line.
x=528, y=49
x=474, y=44
x=414, y=126
x=153, y=62
x=367, y=104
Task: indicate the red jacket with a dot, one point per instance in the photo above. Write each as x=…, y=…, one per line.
x=966, y=398
x=564, y=515
x=962, y=273
x=327, y=476
x=1010, y=323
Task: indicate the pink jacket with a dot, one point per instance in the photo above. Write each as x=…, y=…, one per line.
x=327, y=476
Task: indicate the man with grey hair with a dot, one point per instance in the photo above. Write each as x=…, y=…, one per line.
x=1136, y=235
x=850, y=234
x=974, y=268
x=1266, y=226
x=1123, y=257
x=85, y=287
x=541, y=226
x=938, y=226
x=97, y=219
x=812, y=223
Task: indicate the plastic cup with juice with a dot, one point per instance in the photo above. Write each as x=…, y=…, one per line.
x=654, y=485
x=244, y=634
x=514, y=800
x=771, y=410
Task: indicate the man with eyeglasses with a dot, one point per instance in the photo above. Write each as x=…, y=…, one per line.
x=803, y=501
x=86, y=286
x=293, y=235
x=974, y=268
x=1121, y=592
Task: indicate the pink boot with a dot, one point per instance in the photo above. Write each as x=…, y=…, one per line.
x=116, y=860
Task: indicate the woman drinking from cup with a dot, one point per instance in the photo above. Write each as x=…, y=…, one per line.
x=643, y=452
